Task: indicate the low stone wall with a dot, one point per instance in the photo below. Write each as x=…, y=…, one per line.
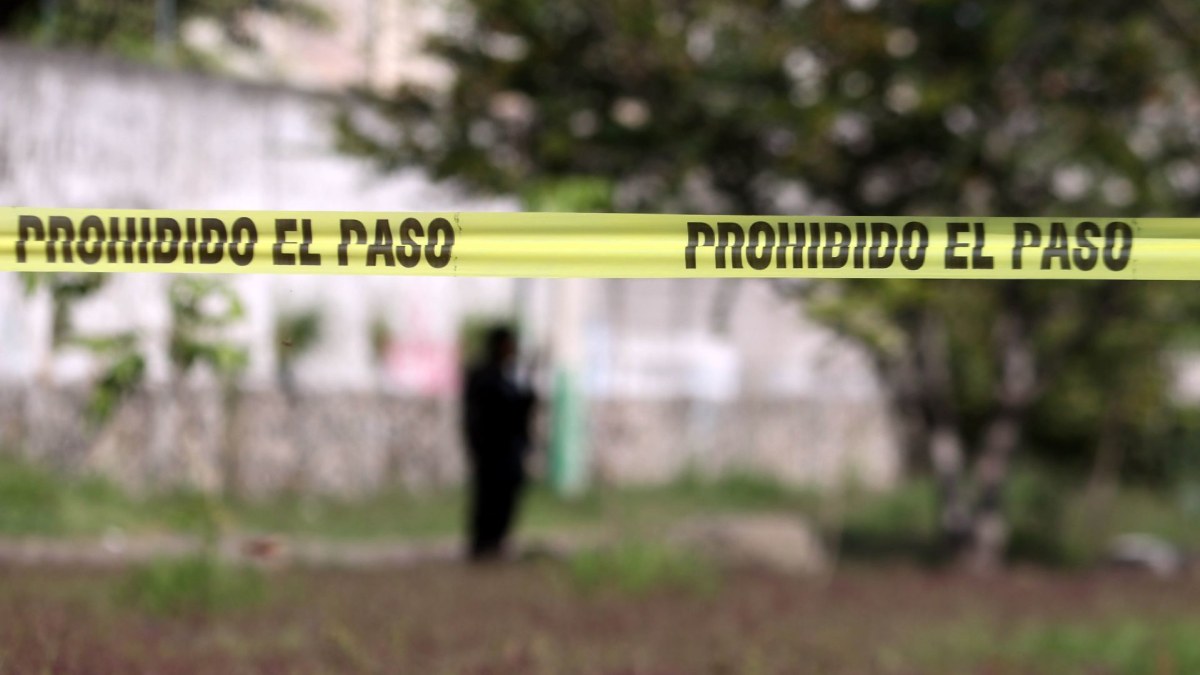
x=260, y=443
x=264, y=442
x=798, y=441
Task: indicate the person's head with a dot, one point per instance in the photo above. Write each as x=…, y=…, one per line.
x=501, y=346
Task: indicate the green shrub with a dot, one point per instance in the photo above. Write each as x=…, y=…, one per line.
x=640, y=567
x=199, y=584
x=31, y=500
x=748, y=490
x=910, y=507
x=896, y=524
x=1036, y=502
x=1130, y=647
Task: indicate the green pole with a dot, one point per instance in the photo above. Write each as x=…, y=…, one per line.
x=568, y=475
x=568, y=442
x=568, y=452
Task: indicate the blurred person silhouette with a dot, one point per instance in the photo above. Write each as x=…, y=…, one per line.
x=497, y=409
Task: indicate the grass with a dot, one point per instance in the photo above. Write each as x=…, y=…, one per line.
x=1130, y=645
x=639, y=567
x=1126, y=646
x=1052, y=522
x=899, y=524
x=195, y=585
x=38, y=502
x=32, y=500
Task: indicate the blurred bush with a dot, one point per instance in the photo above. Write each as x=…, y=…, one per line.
x=984, y=107
x=132, y=27
x=1130, y=647
x=636, y=566
x=200, y=584
x=32, y=500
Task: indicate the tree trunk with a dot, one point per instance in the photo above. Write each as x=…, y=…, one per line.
x=1016, y=391
x=231, y=478
x=954, y=518
x=945, y=440
x=989, y=527
x=1104, y=479
x=165, y=434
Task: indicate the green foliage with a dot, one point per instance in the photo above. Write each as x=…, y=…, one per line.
x=1053, y=520
x=32, y=500
x=296, y=333
x=124, y=365
x=1043, y=530
x=893, y=525
x=989, y=107
x=895, y=108
x=66, y=289
x=199, y=584
x=38, y=501
x=201, y=309
x=381, y=338
x=1130, y=647
x=641, y=567
x=127, y=27
x=907, y=508
x=473, y=332
x=124, y=372
x=1046, y=516
x=1099, y=349
x=738, y=490
x=569, y=194
x=390, y=513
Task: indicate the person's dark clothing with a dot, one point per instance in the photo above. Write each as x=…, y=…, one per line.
x=496, y=420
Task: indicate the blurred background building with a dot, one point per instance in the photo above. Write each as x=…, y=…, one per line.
x=676, y=375
x=375, y=44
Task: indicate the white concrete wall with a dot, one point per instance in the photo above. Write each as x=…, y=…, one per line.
x=86, y=131
x=375, y=43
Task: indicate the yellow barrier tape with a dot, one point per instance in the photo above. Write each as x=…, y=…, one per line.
x=596, y=244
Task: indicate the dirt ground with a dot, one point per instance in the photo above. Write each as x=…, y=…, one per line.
x=534, y=618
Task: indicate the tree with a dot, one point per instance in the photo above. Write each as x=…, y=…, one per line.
x=297, y=332
x=203, y=309
x=990, y=107
x=129, y=26
x=121, y=362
